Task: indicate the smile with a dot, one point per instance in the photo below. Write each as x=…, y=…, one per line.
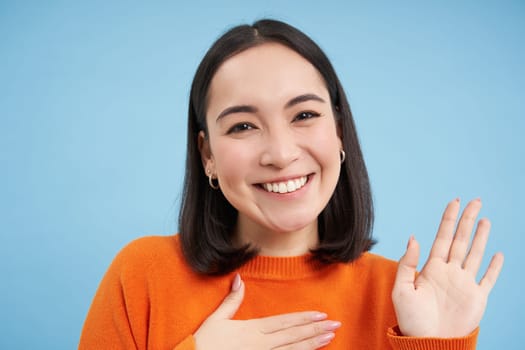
x=291, y=185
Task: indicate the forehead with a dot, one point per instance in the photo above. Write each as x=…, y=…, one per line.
x=268, y=71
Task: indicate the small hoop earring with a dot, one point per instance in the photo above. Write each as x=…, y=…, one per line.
x=210, y=181
x=343, y=156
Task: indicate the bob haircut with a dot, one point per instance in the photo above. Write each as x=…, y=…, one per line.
x=207, y=220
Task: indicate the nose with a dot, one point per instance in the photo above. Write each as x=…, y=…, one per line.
x=280, y=149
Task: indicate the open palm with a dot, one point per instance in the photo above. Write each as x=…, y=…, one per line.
x=445, y=300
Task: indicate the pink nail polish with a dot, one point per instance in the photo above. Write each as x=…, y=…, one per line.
x=326, y=338
x=319, y=316
x=410, y=239
x=332, y=325
x=236, y=285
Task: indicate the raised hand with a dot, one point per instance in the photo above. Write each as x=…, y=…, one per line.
x=302, y=330
x=445, y=300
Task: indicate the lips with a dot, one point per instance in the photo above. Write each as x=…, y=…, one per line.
x=288, y=186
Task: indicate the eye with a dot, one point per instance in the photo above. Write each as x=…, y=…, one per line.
x=306, y=115
x=240, y=127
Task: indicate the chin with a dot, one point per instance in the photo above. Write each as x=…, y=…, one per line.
x=293, y=226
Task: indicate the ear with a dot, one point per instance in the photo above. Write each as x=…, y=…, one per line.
x=203, y=143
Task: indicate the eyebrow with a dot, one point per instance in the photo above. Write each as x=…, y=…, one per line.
x=303, y=98
x=251, y=109
x=237, y=109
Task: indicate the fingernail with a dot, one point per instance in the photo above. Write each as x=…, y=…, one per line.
x=236, y=285
x=410, y=240
x=332, y=326
x=319, y=316
x=457, y=199
x=326, y=338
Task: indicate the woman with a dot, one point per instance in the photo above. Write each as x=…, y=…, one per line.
x=275, y=227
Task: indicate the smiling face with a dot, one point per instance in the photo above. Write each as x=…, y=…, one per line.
x=272, y=143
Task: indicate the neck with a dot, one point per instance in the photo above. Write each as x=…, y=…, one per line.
x=278, y=243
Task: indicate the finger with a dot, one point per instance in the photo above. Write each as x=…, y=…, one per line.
x=459, y=247
x=406, y=270
x=475, y=255
x=232, y=302
x=310, y=343
x=297, y=334
x=492, y=273
x=272, y=324
x=445, y=234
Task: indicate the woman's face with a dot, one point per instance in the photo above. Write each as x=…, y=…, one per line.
x=272, y=139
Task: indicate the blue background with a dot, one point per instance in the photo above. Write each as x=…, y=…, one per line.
x=93, y=101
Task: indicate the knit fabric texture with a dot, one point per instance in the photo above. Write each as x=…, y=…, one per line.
x=151, y=299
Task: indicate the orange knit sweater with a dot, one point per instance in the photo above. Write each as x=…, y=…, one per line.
x=151, y=299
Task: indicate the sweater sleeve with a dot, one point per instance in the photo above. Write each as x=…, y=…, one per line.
x=119, y=314
x=107, y=325
x=400, y=342
x=186, y=344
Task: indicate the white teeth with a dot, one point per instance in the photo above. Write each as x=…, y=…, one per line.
x=285, y=187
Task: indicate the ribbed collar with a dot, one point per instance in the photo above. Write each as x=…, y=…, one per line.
x=281, y=268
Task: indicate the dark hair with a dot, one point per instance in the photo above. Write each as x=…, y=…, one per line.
x=207, y=219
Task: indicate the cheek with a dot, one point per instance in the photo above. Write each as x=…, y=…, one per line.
x=231, y=159
x=326, y=144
